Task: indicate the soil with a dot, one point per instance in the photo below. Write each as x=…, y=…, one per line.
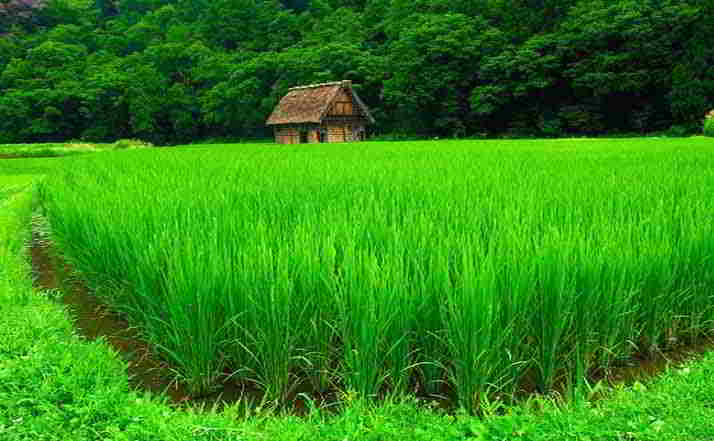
x=642, y=366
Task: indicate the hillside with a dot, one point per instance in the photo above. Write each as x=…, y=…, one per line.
x=171, y=71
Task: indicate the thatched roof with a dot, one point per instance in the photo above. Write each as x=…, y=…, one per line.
x=309, y=104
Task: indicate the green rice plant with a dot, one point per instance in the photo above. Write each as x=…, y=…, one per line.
x=475, y=344
x=319, y=285
x=476, y=268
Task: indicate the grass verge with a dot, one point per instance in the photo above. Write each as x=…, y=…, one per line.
x=51, y=150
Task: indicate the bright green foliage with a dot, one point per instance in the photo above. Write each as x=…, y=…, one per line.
x=47, y=150
x=14, y=209
x=478, y=264
x=709, y=124
x=63, y=149
x=56, y=386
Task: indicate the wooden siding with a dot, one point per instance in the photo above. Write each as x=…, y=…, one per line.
x=287, y=135
x=336, y=133
x=342, y=105
x=313, y=137
x=347, y=130
x=297, y=135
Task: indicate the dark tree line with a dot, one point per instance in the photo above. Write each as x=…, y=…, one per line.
x=178, y=70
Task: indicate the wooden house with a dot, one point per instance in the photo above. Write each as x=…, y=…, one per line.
x=327, y=112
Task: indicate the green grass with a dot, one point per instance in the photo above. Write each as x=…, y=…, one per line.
x=24, y=166
x=709, y=127
x=51, y=150
x=56, y=386
x=489, y=267
x=14, y=210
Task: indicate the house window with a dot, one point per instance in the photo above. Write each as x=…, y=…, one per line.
x=303, y=137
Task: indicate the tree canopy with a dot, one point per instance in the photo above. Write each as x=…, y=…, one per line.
x=178, y=70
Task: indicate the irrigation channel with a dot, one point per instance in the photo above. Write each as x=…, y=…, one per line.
x=93, y=320
x=146, y=371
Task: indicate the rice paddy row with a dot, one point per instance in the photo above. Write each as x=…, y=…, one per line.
x=458, y=268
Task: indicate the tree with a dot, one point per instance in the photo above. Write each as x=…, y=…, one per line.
x=432, y=71
x=46, y=88
x=22, y=12
x=239, y=105
x=106, y=99
x=107, y=8
x=241, y=24
x=170, y=70
x=607, y=66
x=692, y=91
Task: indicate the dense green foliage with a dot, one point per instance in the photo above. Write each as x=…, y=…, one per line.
x=709, y=124
x=395, y=266
x=177, y=70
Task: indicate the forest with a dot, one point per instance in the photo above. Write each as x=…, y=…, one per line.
x=175, y=71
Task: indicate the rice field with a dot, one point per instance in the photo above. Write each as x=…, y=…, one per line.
x=464, y=268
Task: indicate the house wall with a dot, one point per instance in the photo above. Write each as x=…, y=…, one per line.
x=343, y=105
x=336, y=132
x=313, y=136
x=345, y=131
x=287, y=135
x=291, y=135
x=356, y=132
x=344, y=121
